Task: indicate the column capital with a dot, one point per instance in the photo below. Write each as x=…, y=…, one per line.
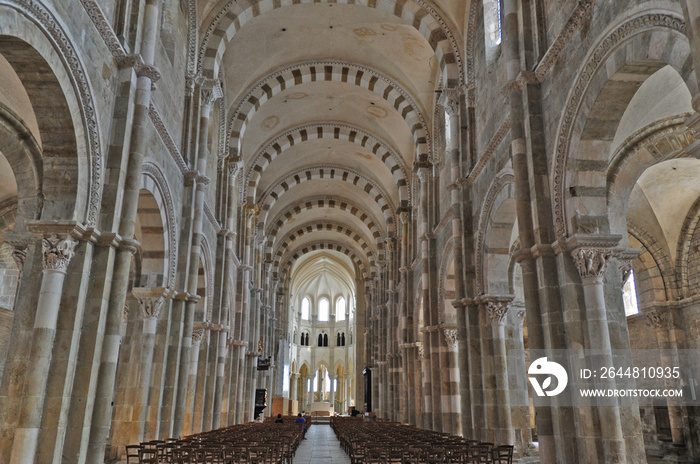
x=58, y=252
x=141, y=68
x=497, y=307
x=450, y=334
x=197, y=335
x=656, y=318
x=151, y=300
x=423, y=168
x=591, y=253
x=449, y=99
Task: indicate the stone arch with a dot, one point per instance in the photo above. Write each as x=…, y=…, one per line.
x=325, y=202
x=658, y=142
x=361, y=263
x=33, y=39
x=333, y=131
x=657, y=259
x=150, y=227
x=500, y=191
x=329, y=71
x=155, y=182
x=335, y=227
x=273, y=194
x=23, y=154
x=418, y=13
x=685, y=250
x=640, y=34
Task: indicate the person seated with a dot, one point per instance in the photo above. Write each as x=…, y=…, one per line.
x=279, y=419
x=302, y=421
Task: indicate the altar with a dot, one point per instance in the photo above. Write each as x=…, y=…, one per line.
x=322, y=408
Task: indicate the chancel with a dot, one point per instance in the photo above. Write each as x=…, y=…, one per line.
x=412, y=231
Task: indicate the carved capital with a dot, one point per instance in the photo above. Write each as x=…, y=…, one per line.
x=450, y=334
x=405, y=217
x=58, y=252
x=497, y=311
x=424, y=174
x=150, y=300
x=141, y=68
x=449, y=99
x=19, y=254
x=591, y=262
x=655, y=319
x=197, y=335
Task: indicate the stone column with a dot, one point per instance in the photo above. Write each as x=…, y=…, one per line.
x=294, y=389
x=57, y=254
x=150, y=304
x=591, y=262
x=141, y=127
x=519, y=398
x=196, y=338
x=431, y=335
x=333, y=386
x=661, y=321
x=497, y=309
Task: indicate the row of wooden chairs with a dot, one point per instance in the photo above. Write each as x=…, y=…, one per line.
x=393, y=443
x=252, y=443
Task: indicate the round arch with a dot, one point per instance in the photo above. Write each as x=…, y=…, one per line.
x=332, y=131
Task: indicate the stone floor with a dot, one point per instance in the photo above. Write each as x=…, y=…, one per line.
x=320, y=447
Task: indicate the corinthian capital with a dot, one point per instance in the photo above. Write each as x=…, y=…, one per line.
x=58, y=252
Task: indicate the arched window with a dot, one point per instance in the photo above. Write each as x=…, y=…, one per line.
x=337, y=341
x=629, y=296
x=492, y=24
x=320, y=339
x=342, y=339
x=325, y=339
x=323, y=310
x=340, y=309
x=306, y=340
x=305, y=306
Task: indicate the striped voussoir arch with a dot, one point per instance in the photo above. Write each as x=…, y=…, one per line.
x=331, y=131
x=234, y=14
x=333, y=227
x=328, y=71
x=338, y=203
x=268, y=200
x=362, y=264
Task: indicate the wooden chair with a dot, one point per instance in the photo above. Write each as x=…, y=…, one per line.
x=132, y=454
x=503, y=454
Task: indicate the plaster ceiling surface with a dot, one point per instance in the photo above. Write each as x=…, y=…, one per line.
x=335, y=188
x=328, y=101
x=329, y=31
x=329, y=152
x=669, y=189
x=662, y=95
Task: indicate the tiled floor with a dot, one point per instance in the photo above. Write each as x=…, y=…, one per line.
x=320, y=447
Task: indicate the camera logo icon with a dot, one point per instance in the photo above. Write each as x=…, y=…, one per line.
x=541, y=366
